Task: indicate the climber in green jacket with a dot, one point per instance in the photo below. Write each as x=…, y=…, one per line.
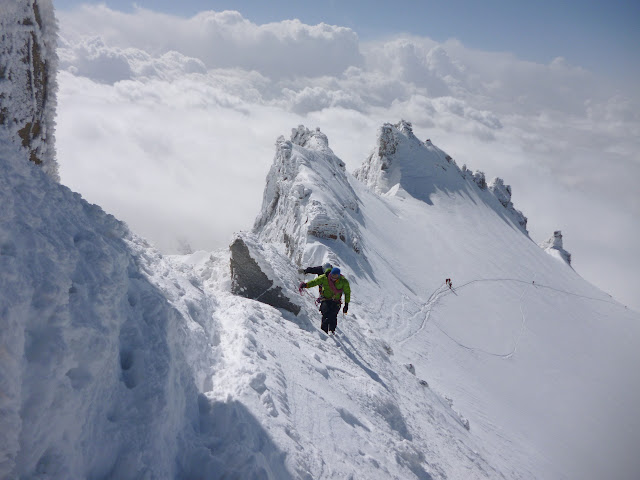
x=333, y=286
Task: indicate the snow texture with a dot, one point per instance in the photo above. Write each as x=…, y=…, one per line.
x=28, y=66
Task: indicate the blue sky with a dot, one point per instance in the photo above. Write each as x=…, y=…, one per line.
x=597, y=35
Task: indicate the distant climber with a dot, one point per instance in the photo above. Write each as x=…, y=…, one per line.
x=333, y=286
x=449, y=283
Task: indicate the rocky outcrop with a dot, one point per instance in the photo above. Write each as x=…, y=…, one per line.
x=554, y=247
x=28, y=63
x=308, y=197
x=376, y=171
x=503, y=193
x=313, y=139
x=252, y=275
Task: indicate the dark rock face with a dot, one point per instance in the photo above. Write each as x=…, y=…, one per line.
x=248, y=279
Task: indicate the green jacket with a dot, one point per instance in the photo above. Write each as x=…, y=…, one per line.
x=341, y=284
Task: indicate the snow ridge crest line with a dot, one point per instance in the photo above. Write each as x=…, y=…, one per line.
x=422, y=169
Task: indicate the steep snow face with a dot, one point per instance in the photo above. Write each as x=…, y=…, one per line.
x=421, y=169
x=553, y=247
x=104, y=348
x=308, y=197
x=28, y=64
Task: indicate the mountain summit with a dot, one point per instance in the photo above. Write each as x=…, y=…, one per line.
x=308, y=196
x=420, y=168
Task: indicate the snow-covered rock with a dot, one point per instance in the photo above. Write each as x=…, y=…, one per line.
x=553, y=246
x=28, y=65
x=422, y=169
x=480, y=180
x=503, y=193
x=308, y=198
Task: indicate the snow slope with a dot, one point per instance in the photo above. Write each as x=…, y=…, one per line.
x=121, y=363
x=540, y=362
x=529, y=351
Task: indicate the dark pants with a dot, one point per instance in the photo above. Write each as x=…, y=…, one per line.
x=330, y=310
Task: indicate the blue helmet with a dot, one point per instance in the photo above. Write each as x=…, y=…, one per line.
x=335, y=271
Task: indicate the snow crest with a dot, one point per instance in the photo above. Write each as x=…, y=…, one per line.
x=308, y=197
x=553, y=246
x=422, y=170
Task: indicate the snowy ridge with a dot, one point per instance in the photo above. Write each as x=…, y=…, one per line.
x=308, y=197
x=28, y=66
x=421, y=168
x=125, y=364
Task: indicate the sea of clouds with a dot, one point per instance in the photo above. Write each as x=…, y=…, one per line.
x=170, y=123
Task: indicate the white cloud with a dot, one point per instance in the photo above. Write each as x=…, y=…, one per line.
x=175, y=133
x=222, y=40
x=311, y=99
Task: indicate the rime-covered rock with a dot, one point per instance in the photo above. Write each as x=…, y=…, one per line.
x=480, y=180
x=307, y=197
x=553, y=246
x=374, y=172
x=503, y=193
x=28, y=63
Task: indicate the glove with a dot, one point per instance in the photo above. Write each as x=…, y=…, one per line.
x=302, y=270
x=301, y=286
x=345, y=308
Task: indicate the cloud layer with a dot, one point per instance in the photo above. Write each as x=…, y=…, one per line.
x=175, y=133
